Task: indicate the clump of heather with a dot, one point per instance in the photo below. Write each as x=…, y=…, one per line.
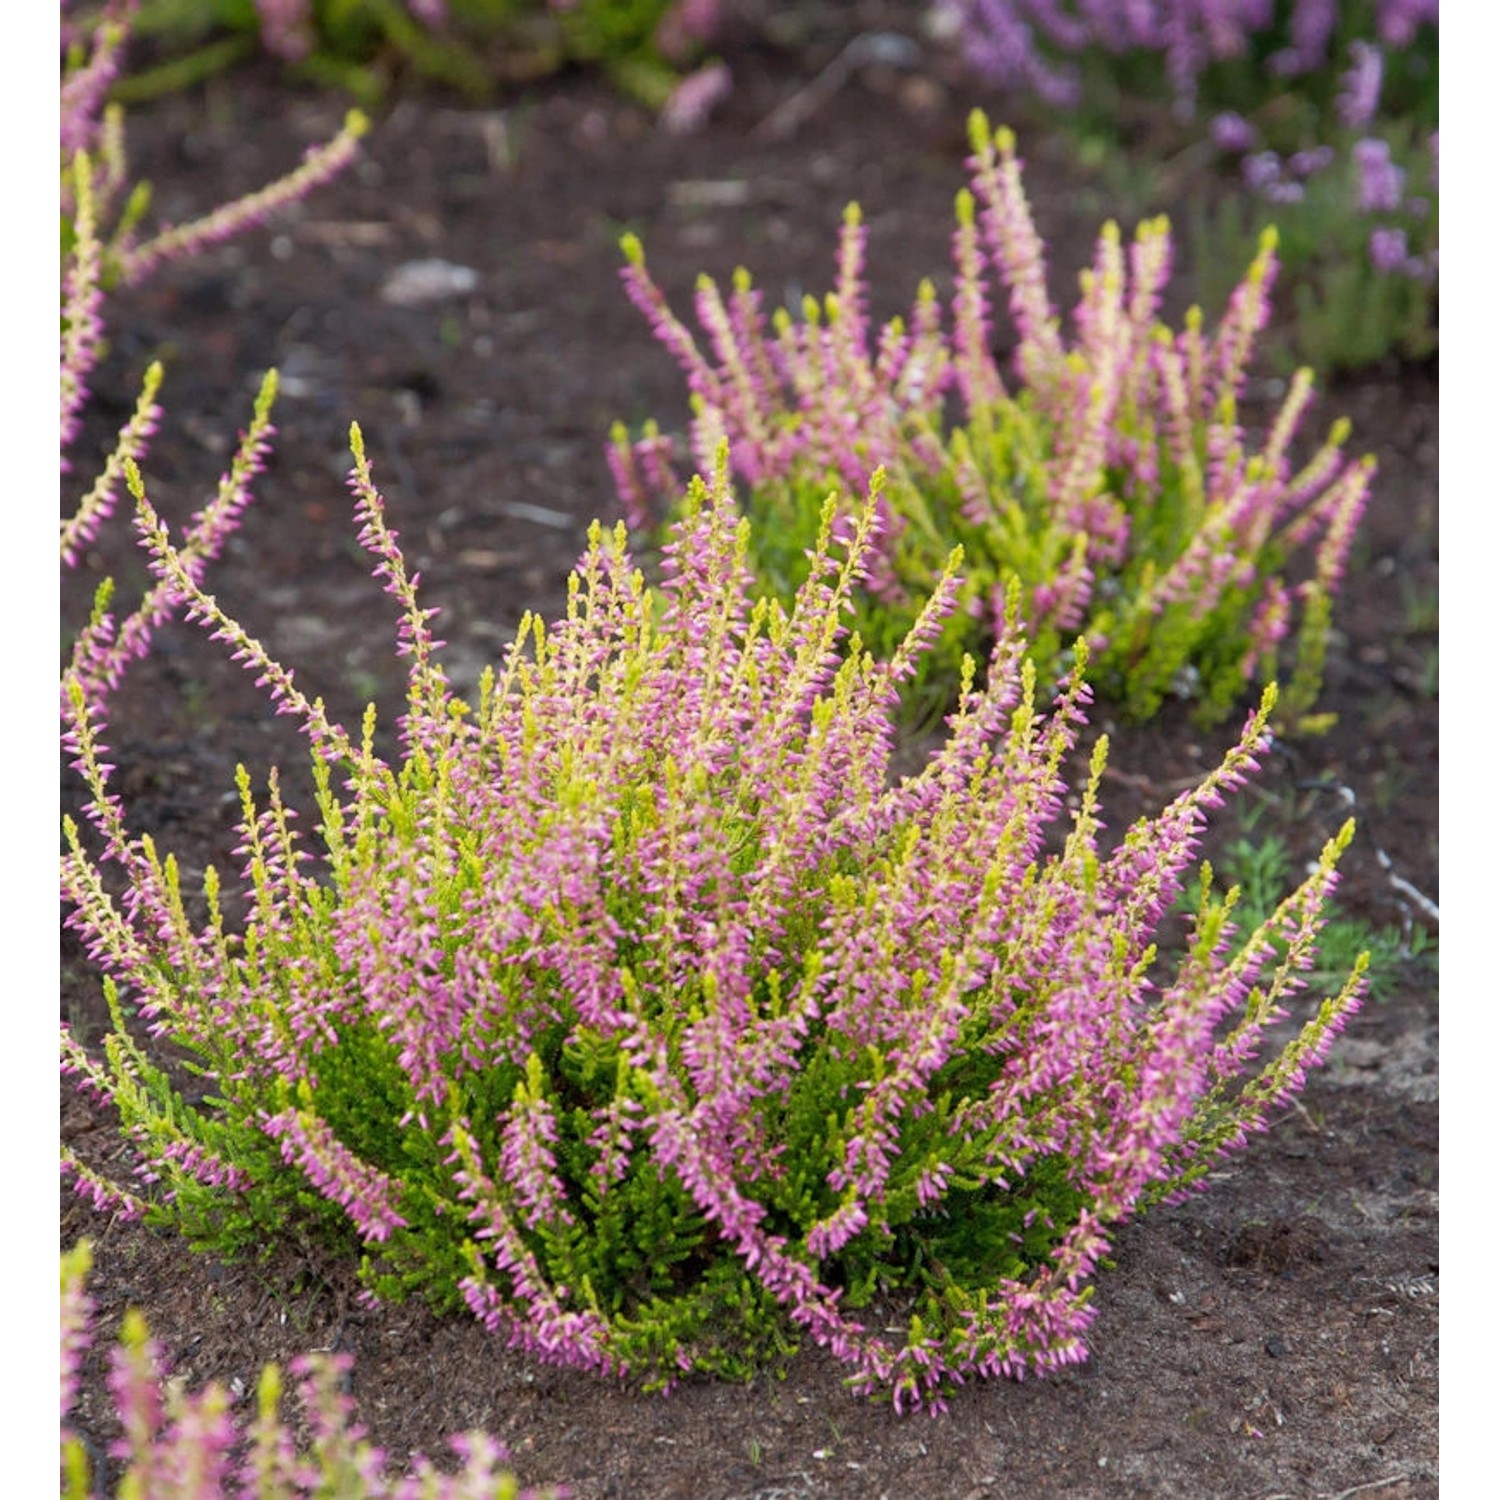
x=103, y=245
x=638, y=1006
x=1111, y=474
x=179, y=1446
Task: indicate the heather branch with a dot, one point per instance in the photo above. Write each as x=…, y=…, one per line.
x=181, y=1445
x=320, y=165
x=178, y=571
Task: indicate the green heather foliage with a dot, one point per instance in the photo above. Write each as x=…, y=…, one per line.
x=638, y=1006
x=179, y=1446
x=1113, y=479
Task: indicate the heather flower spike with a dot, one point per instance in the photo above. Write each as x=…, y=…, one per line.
x=321, y=165
x=1107, y=471
x=641, y=1007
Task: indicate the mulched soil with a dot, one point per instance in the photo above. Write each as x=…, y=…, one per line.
x=1276, y=1336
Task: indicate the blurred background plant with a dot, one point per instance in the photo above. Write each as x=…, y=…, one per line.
x=474, y=46
x=1319, y=116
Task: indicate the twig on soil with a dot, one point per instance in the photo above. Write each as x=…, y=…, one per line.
x=1374, y=1484
x=884, y=48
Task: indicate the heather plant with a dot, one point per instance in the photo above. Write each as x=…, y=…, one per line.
x=1202, y=53
x=637, y=1006
x=1322, y=111
x=471, y=45
x=1111, y=475
x=174, y=1445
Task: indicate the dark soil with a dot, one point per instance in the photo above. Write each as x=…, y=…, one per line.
x=1277, y=1336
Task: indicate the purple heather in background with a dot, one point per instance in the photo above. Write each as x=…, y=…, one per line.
x=1000, y=37
x=1233, y=132
x=1019, y=44
x=1361, y=96
x=1388, y=249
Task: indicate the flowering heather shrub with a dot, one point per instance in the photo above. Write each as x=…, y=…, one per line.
x=637, y=1007
x=176, y=1446
x=1113, y=478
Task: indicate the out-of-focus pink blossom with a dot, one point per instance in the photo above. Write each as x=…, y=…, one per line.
x=1361, y=93
x=1388, y=249
x=1309, y=163
x=1262, y=170
x=1380, y=179
x=1233, y=132
x=689, y=24
x=286, y=27
x=695, y=98
x=1398, y=20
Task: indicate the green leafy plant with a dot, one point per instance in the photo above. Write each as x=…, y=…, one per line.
x=1258, y=866
x=474, y=46
x=1114, y=479
x=637, y=1006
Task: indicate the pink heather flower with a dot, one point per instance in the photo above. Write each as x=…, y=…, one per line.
x=190, y=1445
x=1388, y=250
x=84, y=89
x=77, y=1312
x=1398, y=20
x=1261, y=171
x=1310, y=163
x=1232, y=132
x=1380, y=179
x=689, y=24
x=1361, y=93
x=367, y=1195
x=1312, y=24
x=320, y=164
x=695, y=98
x=285, y=27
